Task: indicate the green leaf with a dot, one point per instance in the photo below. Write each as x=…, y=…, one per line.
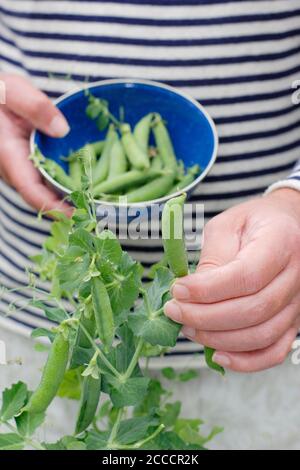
x=82, y=239
x=80, y=200
x=55, y=314
x=188, y=375
x=127, y=393
x=102, y=122
x=160, y=286
x=11, y=441
x=13, y=400
x=43, y=332
x=27, y=423
x=152, y=399
x=158, y=330
x=71, y=385
x=72, y=268
x=96, y=441
x=170, y=413
x=108, y=248
x=188, y=431
x=169, y=440
x=126, y=291
x=135, y=429
x=169, y=373
x=209, y=352
x=66, y=443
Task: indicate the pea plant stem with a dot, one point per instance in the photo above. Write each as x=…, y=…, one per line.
x=134, y=359
x=141, y=443
x=115, y=429
x=100, y=353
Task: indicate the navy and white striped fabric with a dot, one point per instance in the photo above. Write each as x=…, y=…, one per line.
x=239, y=58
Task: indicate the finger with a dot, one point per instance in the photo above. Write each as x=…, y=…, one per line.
x=42, y=198
x=34, y=106
x=254, y=267
x=241, y=312
x=258, y=360
x=247, y=339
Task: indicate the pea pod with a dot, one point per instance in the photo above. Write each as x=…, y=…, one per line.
x=52, y=376
x=75, y=170
x=164, y=143
x=153, y=190
x=102, y=167
x=90, y=396
x=98, y=147
x=156, y=163
x=186, y=180
x=120, y=182
x=103, y=312
x=87, y=320
x=118, y=161
x=172, y=222
x=141, y=132
x=57, y=173
x=172, y=234
x=138, y=158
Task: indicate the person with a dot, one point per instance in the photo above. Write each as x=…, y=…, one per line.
x=240, y=60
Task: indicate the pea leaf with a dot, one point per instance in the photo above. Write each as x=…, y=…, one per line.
x=188, y=430
x=11, y=441
x=158, y=330
x=169, y=373
x=160, y=286
x=80, y=200
x=72, y=268
x=66, y=443
x=96, y=440
x=169, y=440
x=170, y=413
x=27, y=423
x=108, y=248
x=151, y=401
x=54, y=314
x=71, y=385
x=127, y=393
x=43, y=332
x=188, y=375
x=82, y=239
x=135, y=429
x=13, y=400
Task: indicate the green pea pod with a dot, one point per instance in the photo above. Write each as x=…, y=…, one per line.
x=52, y=376
x=142, y=130
x=173, y=238
x=138, y=158
x=103, y=313
x=75, y=170
x=118, y=161
x=172, y=226
x=164, y=143
x=186, y=180
x=120, y=182
x=57, y=173
x=208, y=353
x=155, y=189
x=91, y=390
x=98, y=147
x=87, y=320
x=156, y=163
x=102, y=167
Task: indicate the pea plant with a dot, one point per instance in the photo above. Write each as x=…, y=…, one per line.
x=96, y=348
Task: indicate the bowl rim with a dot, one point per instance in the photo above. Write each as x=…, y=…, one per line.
x=156, y=84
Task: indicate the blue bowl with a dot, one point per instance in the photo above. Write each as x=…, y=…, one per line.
x=191, y=128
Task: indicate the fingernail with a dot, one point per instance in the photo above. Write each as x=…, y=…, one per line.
x=221, y=359
x=173, y=311
x=188, y=332
x=180, y=292
x=59, y=127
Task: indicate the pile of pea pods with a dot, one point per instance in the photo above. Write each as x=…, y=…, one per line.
x=125, y=164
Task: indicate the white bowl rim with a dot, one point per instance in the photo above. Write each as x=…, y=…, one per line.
x=156, y=84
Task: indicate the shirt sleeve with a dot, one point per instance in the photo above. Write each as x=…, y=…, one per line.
x=292, y=181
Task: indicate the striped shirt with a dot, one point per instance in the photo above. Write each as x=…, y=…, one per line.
x=238, y=58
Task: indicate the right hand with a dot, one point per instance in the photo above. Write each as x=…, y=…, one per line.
x=27, y=108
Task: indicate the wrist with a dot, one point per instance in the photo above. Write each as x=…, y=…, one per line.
x=288, y=198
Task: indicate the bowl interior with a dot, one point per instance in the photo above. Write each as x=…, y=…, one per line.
x=190, y=130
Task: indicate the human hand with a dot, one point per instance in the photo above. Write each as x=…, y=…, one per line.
x=244, y=299
x=27, y=108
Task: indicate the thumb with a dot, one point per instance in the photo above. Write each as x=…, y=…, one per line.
x=26, y=101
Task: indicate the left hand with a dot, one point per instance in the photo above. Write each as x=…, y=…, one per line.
x=244, y=299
